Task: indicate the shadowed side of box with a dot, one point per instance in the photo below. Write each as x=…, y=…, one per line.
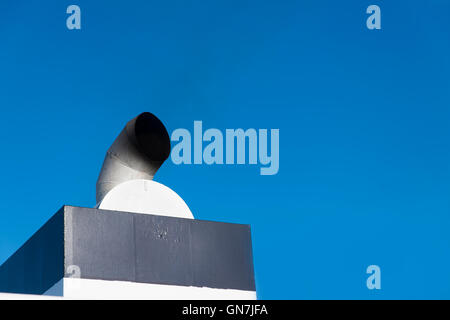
x=39, y=263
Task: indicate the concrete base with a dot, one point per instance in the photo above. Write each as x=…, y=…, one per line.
x=71, y=288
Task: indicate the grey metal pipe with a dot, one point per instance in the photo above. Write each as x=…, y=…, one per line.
x=137, y=153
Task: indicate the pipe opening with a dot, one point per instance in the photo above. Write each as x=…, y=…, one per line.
x=152, y=137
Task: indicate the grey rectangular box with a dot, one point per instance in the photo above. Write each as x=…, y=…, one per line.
x=124, y=246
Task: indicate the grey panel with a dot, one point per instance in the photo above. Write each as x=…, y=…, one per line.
x=163, y=253
x=100, y=244
x=39, y=263
x=222, y=255
x=166, y=250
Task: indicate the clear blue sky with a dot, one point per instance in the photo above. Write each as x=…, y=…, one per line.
x=363, y=116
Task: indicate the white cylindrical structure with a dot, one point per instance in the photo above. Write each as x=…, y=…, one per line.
x=137, y=153
x=145, y=196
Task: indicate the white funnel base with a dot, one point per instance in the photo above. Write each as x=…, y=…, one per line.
x=145, y=196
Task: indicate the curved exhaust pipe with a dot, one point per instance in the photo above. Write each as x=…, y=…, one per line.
x=137, y=153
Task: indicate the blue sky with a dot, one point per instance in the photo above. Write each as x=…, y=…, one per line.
x=363, y=116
